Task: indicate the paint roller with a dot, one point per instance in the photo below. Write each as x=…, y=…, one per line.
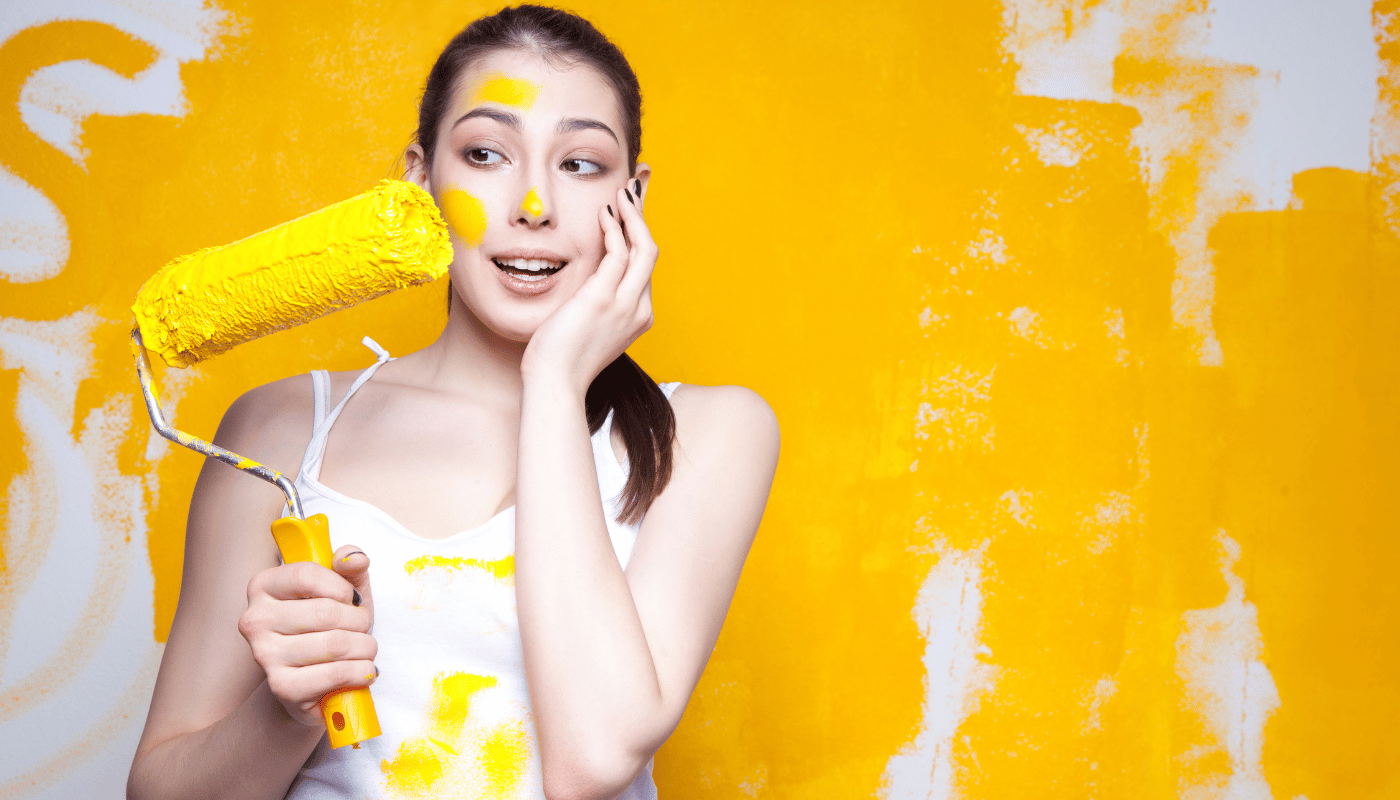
x=205, y=303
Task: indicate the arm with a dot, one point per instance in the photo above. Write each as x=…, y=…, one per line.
x=216, y=728
x=612, y=657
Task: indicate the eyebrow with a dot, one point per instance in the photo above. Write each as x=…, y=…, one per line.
x=512, y=121
x=583, y=124
x=504, y=117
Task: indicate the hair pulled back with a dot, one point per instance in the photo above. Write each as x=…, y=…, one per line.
x=641, y=413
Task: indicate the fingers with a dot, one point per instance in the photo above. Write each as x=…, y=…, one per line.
x=321, y=647
x=615, y=250
x=290, y=617
x=642, y=252
x=351, y=563
x=299, y=580
x=302, y=688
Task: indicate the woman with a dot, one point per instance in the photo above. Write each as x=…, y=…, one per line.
x=537, y=613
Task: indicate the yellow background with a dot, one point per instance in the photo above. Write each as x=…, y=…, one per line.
x=825, y=180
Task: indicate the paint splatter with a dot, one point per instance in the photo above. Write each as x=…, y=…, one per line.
x=465, y=215
x=502, y=569
x=1219, y=655
x=455, y=757
x=497, y=87
x=961, y=415
x=949, y=614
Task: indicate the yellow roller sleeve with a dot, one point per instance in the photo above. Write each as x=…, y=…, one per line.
x=207, y=302
x=349, y=714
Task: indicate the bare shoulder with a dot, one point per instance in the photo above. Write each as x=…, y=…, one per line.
x=725, y=417
x=271, y=423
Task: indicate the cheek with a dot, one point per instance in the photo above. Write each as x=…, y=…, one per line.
x=465, y=215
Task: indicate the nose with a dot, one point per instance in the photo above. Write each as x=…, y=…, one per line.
x=534, y=211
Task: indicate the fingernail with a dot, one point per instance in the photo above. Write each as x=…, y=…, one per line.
x=346, y=557
x=637, y=187
x=629, y=195
x=356, y=599
x=376, y=670
x=610, y=211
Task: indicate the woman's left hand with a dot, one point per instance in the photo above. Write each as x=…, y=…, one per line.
x=607, y=314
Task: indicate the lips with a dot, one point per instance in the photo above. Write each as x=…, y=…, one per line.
x=528, y=269
x=528, y=273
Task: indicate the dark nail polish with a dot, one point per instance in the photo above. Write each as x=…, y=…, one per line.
x=355, y=597
x=629, y=195
x=637, y=187
x=610, y=211
x=376, y=670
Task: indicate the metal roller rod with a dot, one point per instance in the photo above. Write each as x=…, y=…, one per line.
x=248, y=465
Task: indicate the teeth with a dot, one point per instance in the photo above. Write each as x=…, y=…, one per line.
x=528, y=264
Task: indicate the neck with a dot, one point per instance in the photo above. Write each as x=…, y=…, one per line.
x=470, y=358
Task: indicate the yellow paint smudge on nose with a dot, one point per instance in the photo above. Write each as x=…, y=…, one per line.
x=465, y=214
x=422, y=759
x=498, y=87
x=532, y=204
x=502, y=569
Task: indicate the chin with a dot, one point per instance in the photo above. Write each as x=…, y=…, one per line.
x=512, y=318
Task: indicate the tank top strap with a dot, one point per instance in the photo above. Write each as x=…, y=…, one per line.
x=320, y=389
x=323, y=420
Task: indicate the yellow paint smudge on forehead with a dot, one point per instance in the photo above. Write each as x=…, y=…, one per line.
x=532, y=204
x=465, y=214
x=497, y=87
x=501, y=569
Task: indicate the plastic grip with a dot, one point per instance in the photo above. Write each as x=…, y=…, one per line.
x=349, y=713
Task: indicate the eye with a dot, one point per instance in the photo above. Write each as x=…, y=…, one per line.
x=579, y=166
x=481, y=155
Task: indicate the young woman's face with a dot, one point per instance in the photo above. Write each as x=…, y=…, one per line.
x=526, y=157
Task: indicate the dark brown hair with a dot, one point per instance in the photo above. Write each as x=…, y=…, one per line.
x=641, y=412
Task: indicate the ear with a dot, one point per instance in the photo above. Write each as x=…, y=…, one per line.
x=416, y=167
x=643, y=174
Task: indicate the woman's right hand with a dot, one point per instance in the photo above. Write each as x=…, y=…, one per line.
x=309, y=628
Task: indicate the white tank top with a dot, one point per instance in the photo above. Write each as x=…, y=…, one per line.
x=451, y=694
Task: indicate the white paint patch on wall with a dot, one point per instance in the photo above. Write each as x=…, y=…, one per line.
x=1318, y=63
x=1308, y=101
x=948, y=612
x=77, y=658
x=1219, y=656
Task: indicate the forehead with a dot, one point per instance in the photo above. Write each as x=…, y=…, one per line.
x=533, y=86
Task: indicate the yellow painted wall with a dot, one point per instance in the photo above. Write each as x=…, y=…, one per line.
x=1000, y=406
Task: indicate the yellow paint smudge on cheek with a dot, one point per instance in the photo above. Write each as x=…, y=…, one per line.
x=465, y=214
x=532, y=204
x=500, y=88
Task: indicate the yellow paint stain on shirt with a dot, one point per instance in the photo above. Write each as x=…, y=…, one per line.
x=422, y=759
x=498, y=87
x=465, y=214
x=504, y=755
x=532, y=204
x=502, y=569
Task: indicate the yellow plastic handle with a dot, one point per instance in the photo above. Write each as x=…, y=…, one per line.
x=349, y=713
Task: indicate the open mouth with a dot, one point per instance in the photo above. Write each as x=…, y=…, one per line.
x=528, y=269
